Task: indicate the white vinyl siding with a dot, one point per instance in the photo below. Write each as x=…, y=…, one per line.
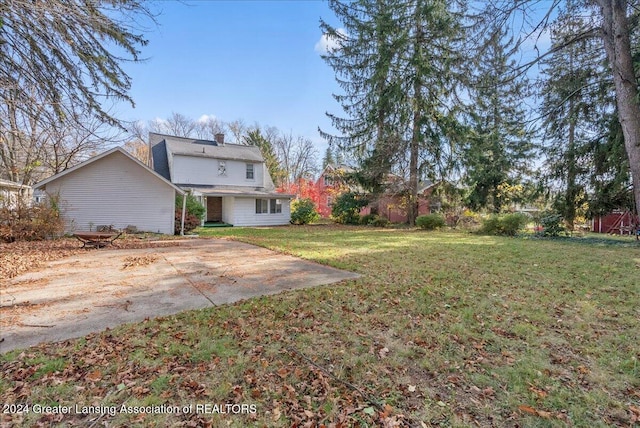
x=244, y=213
x=205, y=171
x=228, y=209
x=114, y=191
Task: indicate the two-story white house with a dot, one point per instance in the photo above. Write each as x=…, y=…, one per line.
x=231, y=180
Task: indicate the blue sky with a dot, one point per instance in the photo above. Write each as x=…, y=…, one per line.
x=250, y=60
x=258, y=61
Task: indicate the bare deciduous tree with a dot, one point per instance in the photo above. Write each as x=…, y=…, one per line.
x=297, y=155
x=33, y=152
x=138, y=149
x=59, y=62
x=177, y=124
x=68, y=145
x=238, y=130
x=208, y=127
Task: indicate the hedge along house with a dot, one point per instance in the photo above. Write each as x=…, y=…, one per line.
x=113, y=189
x=231, y=180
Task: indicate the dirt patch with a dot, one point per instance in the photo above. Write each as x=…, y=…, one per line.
x=92, y=290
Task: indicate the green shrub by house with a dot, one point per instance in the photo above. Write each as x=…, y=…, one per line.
x=194, y=216
x=380, y=222
x=346, y=208
x=367, y=219
x=374, y=220
x=430, y=222
x=551, y=224
x=507, y=224
x=303, y=211
x=194, y=207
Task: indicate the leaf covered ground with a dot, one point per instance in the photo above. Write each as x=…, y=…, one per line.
x=442, y=329
x=20, y=257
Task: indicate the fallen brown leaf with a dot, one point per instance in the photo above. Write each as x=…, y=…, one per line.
x=539, y=392
x=94, y=376
x=635, y=414
x=534, y=412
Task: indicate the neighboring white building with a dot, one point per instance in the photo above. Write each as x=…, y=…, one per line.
x=231, y=180
x=12, y=192
x=113, y=188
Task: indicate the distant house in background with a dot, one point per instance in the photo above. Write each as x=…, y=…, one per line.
x=11, y=193
x=231, y=180
x=391, y=204
x=329, y=185
x=113, y=189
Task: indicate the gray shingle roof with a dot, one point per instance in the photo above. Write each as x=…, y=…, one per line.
x=164, y=146
x=158, y=152
x=210, y=149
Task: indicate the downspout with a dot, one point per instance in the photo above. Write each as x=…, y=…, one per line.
x=184, y=211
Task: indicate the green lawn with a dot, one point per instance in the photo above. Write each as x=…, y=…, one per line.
x=442, y=329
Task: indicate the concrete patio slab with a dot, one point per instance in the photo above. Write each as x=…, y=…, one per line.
x=104, y=288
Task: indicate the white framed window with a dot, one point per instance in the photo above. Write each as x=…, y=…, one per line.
x=327, y=181
x=222, y=168
x=275, y=206
x=262, y=206
x=250, y=172
x=266, y=206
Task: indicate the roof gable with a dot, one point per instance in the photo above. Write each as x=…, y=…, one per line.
x=6, y=184
x=110, y=152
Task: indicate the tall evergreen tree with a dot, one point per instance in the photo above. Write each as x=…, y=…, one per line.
x=577, y=106
x=498, y=149
x=613, y=22
x=328, y=158
x=397, y=66
x=368, y=45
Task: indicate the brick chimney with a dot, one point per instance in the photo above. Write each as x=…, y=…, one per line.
x=219, y=139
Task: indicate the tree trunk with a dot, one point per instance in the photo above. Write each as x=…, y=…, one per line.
x=615, y=35
x=414, y=148
x=414, y=144
x=571, y=192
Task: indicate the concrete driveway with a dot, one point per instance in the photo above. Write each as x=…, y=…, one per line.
x=103, y=288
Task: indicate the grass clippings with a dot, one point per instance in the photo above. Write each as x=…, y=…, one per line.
x=442, y=329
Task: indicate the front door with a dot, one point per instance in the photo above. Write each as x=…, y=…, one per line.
x=214, y=208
